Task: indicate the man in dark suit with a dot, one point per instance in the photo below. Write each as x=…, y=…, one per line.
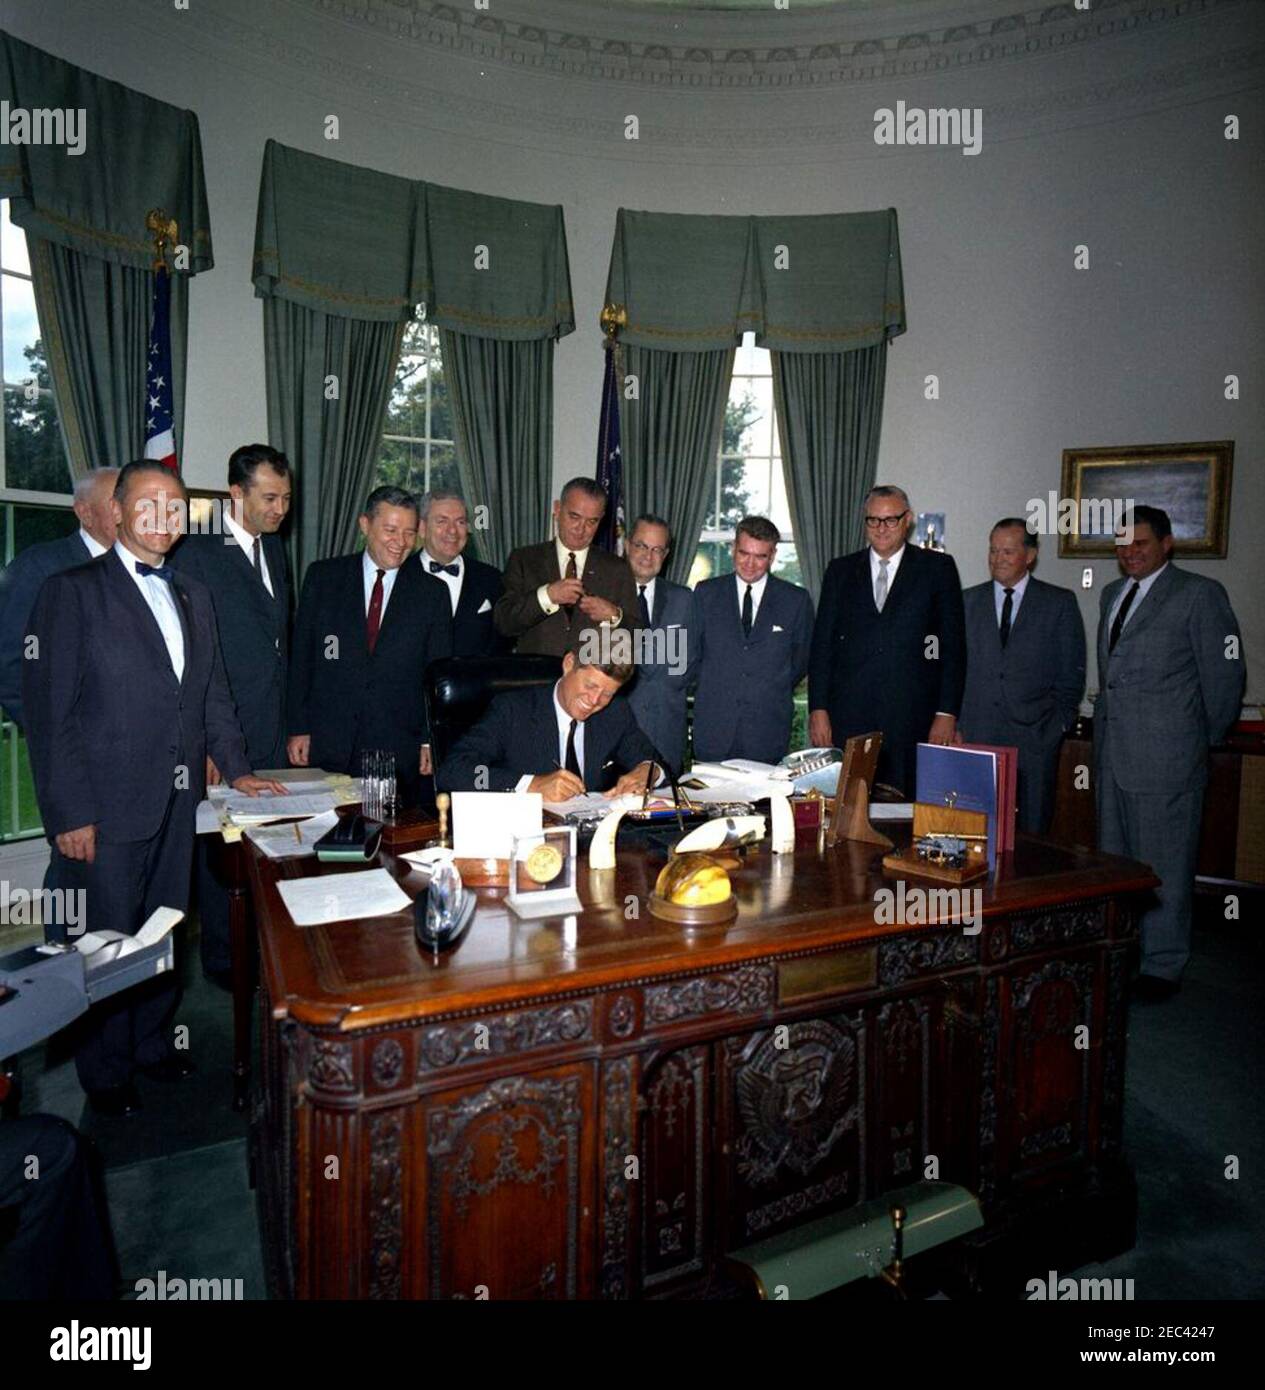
x=667, y=621
x=559, y=740
x=241, y=560
x=754, y=635
x=473, y=587
x=1025, y=666
x=889, y=648
x=368, y=626
x=22, y=580
x=1170, y=684
x=558, y=591
x=125, y=696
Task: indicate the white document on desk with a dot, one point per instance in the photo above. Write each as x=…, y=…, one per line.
x=291, y=839
x=484, y=823
x=312, y=902
x=255, y=810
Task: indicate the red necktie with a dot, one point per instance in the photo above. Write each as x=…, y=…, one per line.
x=374, y=619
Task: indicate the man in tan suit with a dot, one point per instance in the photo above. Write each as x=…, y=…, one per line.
x=557, y=591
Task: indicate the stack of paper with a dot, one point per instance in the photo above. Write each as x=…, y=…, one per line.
x=292, y=839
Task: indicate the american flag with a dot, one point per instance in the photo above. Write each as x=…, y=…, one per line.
x=610, y=466
x=160, y=437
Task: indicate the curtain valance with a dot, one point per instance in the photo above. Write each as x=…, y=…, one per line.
x=134, y=154
x=821, y=283
x=367, y=245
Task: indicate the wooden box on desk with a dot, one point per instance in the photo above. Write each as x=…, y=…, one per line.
x=929, y=819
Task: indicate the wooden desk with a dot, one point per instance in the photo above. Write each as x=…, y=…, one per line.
x=601, y=1107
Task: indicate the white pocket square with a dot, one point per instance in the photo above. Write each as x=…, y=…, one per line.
x=485, y=606
x=776, y=628
x=673, y=624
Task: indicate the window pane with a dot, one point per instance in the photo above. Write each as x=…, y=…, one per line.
x=786, y=565
x=440, y=412
x=712, y=558
x=443, y=469
x=755, y=485
x=23, y=352
x=33, y=525
x=750, y=360
x=13, y=245
x=34, y=458
x=742, y=430
x=734, y=495
x=400, y=464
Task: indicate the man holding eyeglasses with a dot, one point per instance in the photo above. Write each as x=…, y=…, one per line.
x=889, y=646
x=668, y=618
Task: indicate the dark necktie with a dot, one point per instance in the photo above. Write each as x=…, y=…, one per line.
x=573, y=763
x=1007, y=612
x=570, y=573
x=1118, y=625
x=257, y=558
x=373, y=620
x=435, y=567
x=162, y=571
x=746, y=613
x=641, y=602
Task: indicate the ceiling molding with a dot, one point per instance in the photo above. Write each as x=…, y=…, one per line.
x=490, y=36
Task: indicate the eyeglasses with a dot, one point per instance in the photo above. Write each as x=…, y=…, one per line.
x=659, y=550
x=886, y=523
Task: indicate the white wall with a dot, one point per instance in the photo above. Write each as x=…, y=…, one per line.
x=1114, y=141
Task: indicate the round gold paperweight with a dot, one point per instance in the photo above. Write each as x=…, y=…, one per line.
x=693, y=890
x=543, y=864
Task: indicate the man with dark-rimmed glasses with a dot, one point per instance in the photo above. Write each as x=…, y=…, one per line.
x=889, y=645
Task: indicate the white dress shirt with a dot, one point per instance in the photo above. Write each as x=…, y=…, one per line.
x=893, y=564
x=1144, y=588
x=1016, y=598
x=95, y=547
x=388, y=583
x=581, y=559
x=453, y=581
x=247, y=542
x=757, y=594
x=162, y=604
x=564, y=729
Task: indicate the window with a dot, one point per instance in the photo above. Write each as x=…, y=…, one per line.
x=32, y=455
x=417, y=449
x=749, y=478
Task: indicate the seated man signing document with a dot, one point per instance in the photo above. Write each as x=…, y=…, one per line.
x=559, y=740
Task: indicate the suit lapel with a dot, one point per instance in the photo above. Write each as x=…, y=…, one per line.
x=1110, y=594
x=660, y=601
x=1148, y=606
x=909, y=561
x=130, y=596
x=763, y=624
x=546, y=726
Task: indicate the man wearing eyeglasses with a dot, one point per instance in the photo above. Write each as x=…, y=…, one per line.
x=889, y=646
x=668, y=620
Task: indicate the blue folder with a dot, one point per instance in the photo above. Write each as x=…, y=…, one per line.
x=962, y=777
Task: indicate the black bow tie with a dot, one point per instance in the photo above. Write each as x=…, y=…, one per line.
x=162, y=571
x=435, y=567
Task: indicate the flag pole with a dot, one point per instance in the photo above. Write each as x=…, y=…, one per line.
x=614, y=317
x=160, y=439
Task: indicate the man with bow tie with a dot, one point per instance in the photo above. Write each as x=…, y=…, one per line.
x=125, y=696
x=473, y=587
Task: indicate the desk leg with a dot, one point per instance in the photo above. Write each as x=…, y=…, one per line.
x=243, y=954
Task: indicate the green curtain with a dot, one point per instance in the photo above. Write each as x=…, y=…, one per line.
x=94, y=319
x=84, y=218
x=359, y=252
x=829, y=413
x=332, y=439
x=670, y=435
x=502, y=409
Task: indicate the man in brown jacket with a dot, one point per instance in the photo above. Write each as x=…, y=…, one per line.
x=557, y=591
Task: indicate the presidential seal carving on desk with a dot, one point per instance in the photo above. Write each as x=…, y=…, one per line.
x=796, y=1100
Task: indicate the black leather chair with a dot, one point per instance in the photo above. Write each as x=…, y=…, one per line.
x=460, y=688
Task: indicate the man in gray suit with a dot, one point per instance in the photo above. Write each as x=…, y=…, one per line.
x=755, y=631
x=1170, y=677
x=668, y=658
x=1025, y=666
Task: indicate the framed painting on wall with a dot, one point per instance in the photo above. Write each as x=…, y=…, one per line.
x=1191, y=482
